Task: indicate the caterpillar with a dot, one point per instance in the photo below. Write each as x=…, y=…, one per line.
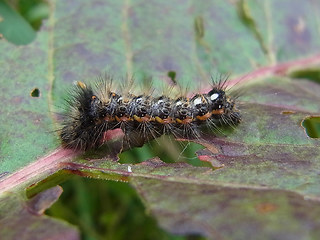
x=93, y=109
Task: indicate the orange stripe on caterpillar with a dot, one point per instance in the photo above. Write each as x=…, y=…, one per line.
x=165, y=120
x=123, y=119
x=204, y=117
x=187, y=120
x=218, y=111
x=143, y=119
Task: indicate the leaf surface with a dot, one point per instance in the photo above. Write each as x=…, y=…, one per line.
x=269, y=167
x=20, y=219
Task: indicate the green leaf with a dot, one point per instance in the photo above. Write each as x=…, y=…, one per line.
x=14, y=27
x=268, y=167
x=22, y=219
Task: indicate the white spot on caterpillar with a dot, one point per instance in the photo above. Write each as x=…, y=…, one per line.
x=178, y=103
x=129, y=169
x=214, y=96
x=197, y=101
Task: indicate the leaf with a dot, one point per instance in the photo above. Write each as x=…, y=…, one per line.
x=28, y=221
x=13, y=27
x=268, y=167
x=230, y=212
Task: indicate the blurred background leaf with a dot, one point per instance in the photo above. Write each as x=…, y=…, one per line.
x=21, y=19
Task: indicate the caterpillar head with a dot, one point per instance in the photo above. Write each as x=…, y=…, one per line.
x=217, y=100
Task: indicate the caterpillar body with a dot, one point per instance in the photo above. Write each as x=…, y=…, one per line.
x=95, y=109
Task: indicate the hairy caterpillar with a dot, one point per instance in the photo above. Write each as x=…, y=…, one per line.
x=95, y=109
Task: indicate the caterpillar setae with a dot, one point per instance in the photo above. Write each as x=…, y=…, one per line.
x=93, y=109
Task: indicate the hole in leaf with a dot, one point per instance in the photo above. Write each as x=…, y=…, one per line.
x=107, y=210
x=21, y=19
x=35, y=92
x=167, y=149
x=312, y=74
x=172, y=75
x=312, y=126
